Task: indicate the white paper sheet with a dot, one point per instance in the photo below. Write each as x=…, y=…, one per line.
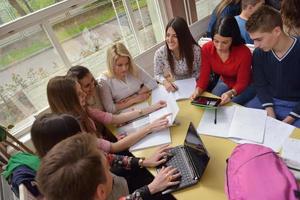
x=221, y=128
x=248, y=124
x=291, y=150
x=171, y=107
x=276, y=132
x=141, y=122
x=153, y=139
x=234, y=122
x=159, y=93
x=185, y=90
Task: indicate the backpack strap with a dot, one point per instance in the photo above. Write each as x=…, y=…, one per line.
x=297, y=194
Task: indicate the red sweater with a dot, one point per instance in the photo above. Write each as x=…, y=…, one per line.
x=235, y=71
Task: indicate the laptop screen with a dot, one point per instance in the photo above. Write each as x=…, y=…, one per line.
x=196, y=149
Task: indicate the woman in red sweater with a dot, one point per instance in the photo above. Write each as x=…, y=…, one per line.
x=226, y=56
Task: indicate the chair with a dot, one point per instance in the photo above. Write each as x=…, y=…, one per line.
x=24, y=194
x=7, y=140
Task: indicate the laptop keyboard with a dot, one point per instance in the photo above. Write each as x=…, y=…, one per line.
x=180, y=161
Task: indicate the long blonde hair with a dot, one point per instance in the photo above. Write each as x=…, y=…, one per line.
x=113, y=53
x=220, y=7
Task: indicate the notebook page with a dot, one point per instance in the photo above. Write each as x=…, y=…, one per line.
x=276, y=132
x=159, y=93
x=291, y=151
x=221, y=128
x=171, y=107
x=186, y=88
x=248, y=124
x=153, y=139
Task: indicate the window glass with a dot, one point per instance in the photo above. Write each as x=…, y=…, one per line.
x=14, y=9
x=27, y=61
x=205, y=8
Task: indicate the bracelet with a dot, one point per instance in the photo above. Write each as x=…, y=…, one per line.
x=232, y=93
x=141, y=162
x=141, y=112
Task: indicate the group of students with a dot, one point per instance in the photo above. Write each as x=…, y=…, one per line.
x=78, y=165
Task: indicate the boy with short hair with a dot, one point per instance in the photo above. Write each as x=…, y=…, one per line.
x=276, y=66
x=248, y=8
x=75, y=169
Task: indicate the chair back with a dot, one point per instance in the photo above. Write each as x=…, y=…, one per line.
x=24, y=194
x=8, y=141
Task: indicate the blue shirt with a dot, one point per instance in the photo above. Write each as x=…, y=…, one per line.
x=230, y=10
x=278, y=77
x=242, y=25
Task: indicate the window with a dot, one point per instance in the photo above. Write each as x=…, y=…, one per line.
x=13, y=9
x=205, y=8
x=77, y=35
x=27, y=61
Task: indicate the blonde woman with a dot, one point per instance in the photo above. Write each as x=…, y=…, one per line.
x=124, y=84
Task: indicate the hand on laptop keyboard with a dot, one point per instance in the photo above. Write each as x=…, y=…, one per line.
x=166, y=177
x=159, y=157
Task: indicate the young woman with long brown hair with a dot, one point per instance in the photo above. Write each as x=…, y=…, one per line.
x=66, y=96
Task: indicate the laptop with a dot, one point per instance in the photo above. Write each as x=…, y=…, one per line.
x=190, y=159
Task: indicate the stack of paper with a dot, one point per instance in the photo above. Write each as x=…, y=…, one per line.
x=234, y=122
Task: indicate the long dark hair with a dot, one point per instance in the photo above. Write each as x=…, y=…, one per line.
x=185, y=42
x=228, y=27
x=49, y=129
x=78, y=72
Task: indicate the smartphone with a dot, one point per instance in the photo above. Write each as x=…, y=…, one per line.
x=206, y=101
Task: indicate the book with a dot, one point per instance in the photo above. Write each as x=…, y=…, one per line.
x=235, y=122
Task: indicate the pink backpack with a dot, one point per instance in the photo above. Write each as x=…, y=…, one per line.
x=255, y=172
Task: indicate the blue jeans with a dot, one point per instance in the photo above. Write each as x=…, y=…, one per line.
x=241, y=99
x=282, y=108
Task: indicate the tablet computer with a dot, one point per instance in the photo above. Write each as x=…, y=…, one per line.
x=203, y=101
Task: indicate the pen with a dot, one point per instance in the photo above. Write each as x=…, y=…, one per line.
x=215, y=116
x=174, y=86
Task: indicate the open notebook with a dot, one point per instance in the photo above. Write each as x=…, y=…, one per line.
x=235, y=122
x=276, y=133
